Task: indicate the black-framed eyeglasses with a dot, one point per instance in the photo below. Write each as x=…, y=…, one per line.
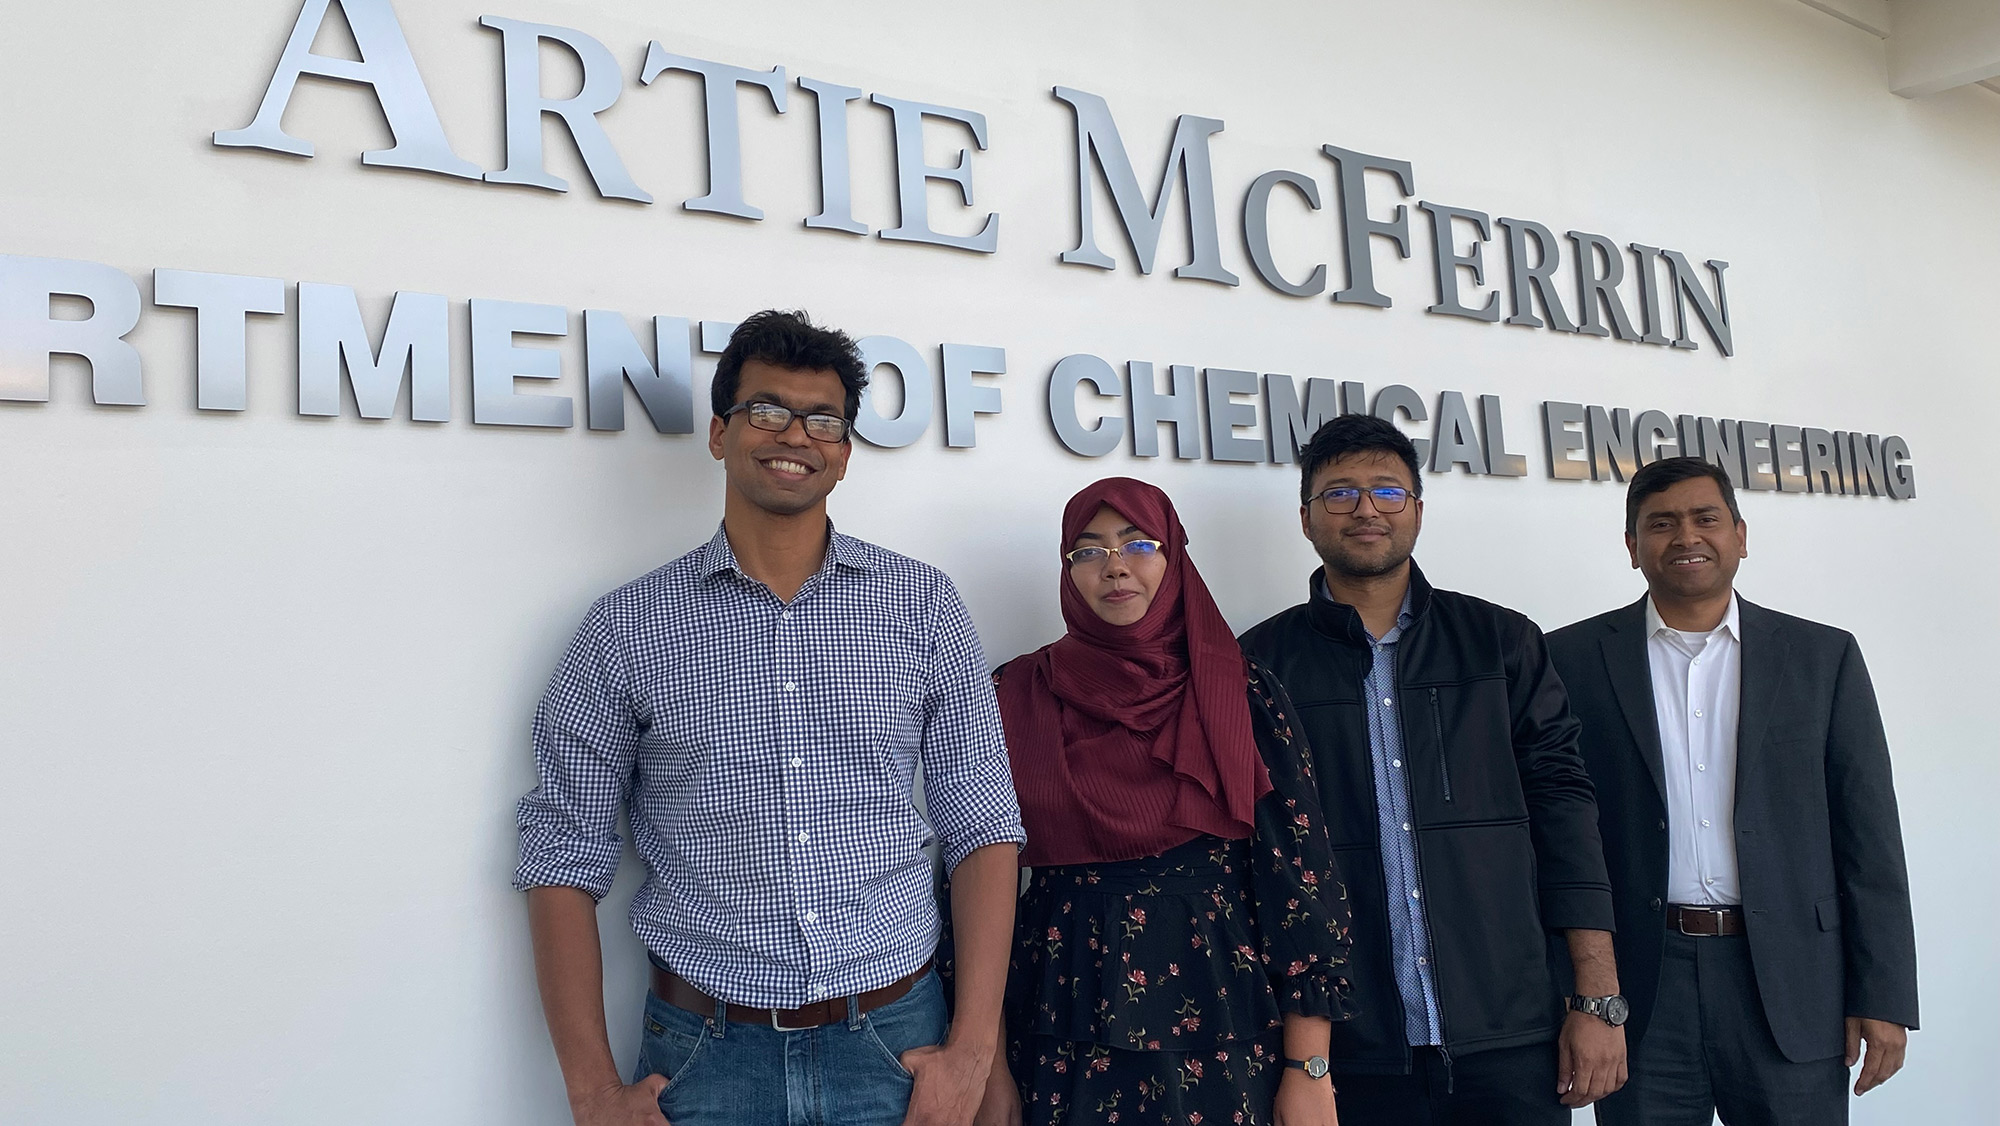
x=777, y=418
x=1343, y=499
x=1099, y=556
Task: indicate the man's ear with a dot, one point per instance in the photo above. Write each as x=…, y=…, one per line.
x=715, y=429
x=1632, y=549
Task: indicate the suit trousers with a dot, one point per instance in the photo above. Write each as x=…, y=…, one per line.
x=1504, y=1087
x=1708, y=1050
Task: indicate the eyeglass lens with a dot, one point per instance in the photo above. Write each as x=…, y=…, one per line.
x=777, y=418
x=1387, y=499
x=1136, y=549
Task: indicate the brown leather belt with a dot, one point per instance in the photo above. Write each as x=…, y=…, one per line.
x=670, y=987
x=1706, y=921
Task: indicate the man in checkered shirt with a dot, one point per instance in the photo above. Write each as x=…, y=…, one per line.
x=760, y=707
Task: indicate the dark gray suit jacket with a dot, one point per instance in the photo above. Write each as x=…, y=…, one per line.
x=1819, y=848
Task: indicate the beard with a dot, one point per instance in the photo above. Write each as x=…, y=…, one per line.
x=1343, y=560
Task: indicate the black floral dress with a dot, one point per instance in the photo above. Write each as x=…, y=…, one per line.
x=1154, y=990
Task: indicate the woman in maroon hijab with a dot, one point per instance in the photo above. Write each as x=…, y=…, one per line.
x=1184, y=932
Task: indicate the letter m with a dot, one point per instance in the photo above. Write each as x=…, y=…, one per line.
x=1097, y=142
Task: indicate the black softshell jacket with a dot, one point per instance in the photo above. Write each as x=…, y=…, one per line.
x=1505, y=819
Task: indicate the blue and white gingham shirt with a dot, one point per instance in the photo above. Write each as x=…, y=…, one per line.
x=766, y=755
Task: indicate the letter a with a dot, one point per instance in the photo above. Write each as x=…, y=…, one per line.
x=386, y=66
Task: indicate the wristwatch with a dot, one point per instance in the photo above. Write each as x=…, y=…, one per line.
x=1611, y=1010
x=1313, y=1066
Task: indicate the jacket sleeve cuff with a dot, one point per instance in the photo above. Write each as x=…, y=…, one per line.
x=1577, y=908
x=1871, y=1004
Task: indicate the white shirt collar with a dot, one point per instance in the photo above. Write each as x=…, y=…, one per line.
x=1729, y=622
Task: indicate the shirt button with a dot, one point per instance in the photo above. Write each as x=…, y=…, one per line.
x=1663, y=826
x=790, y=685
x=1416, y=893
x=787, y=615
x=1655, y=905
x=1701, y=766
x=812, y=916
x=1704, y=822
x=797, y=761
x=1423, y=961
x=1395, y=762
x=1697, y=660
x=1406, y=826
x=1386, y=702
x=802, y=836
x=1697, y=713
x=1709, y=880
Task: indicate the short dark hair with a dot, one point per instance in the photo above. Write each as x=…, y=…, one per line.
x=1349, y=434
x=788, y=339
x=1667, y=472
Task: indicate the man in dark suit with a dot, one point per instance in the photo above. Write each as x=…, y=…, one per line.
x=1750, y=827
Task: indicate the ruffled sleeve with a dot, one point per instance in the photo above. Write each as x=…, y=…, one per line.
x=1302, y=908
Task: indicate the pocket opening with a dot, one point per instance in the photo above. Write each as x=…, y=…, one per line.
x=1444, y=760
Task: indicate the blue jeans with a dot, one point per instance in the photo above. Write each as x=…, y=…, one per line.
x=722, y=1073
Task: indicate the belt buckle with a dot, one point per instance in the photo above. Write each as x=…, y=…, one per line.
x=1706, y=912
x=781, y=1027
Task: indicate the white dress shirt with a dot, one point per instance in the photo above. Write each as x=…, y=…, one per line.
x=1697, y=697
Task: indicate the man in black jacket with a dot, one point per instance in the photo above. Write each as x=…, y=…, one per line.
x=1459, y=810
x=1749, y=820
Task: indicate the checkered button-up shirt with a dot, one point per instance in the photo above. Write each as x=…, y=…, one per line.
x=766, y=755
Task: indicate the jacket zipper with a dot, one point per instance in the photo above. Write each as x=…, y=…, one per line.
x=1417, y=851
x=1437, y=729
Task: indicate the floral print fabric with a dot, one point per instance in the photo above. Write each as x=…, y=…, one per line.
x=1154, y=990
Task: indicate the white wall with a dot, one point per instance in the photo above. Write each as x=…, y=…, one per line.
x=265, y=681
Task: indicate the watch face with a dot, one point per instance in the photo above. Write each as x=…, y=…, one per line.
x=1616, y=1009
x=1316, y=1067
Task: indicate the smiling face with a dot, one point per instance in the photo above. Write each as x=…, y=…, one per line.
x=783, y=473
x=1686, y=542
x=1119, y=589
x=1365, y=543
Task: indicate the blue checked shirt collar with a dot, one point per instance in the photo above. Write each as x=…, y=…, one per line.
x=717, y=557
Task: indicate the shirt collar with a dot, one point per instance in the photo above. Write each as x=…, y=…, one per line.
x=1403, y=615
x=845, y=552
x=1730, y=624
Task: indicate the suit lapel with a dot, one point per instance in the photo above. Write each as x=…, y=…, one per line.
x=1624, y=647
x=1766, y=653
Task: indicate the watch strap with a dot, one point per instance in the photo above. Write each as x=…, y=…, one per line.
x=1315, y=1066
x=1599, y=1007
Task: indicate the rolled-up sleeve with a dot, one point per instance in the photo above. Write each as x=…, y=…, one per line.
x=968, y=788
x=586, y=734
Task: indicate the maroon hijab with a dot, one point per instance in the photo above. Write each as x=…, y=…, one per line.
x=1129, y=740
